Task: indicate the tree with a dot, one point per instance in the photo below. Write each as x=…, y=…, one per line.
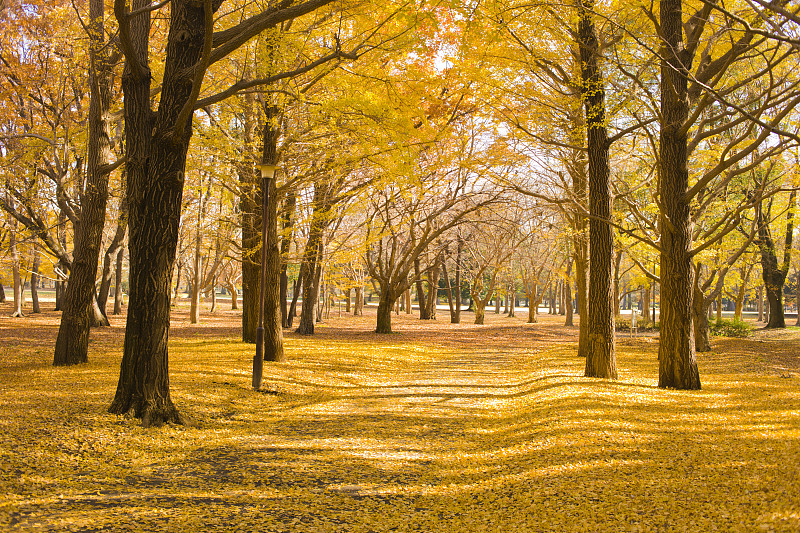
x=773, y=273
x=73, y=332
x=600, y=355
x=156, y=149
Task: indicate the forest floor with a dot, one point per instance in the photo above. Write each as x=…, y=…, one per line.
x=437, y=427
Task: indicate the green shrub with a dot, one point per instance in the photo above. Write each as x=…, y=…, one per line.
x=731, y=328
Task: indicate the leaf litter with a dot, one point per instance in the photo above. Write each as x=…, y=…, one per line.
x=438, y=427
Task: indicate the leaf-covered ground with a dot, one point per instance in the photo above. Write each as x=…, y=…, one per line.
x=437, y=427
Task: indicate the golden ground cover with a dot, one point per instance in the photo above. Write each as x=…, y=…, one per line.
x=437, y=427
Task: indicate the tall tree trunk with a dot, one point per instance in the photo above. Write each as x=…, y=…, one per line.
x=676, y=350
x=250, y=201
x=600, y=356
x=273, y=319
x=2, y=294
x=72, y=343
x=156, y=160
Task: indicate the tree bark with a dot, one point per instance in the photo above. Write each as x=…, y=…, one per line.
x=480, y=310
x=385, y=304
x=72, y=343
x=156, y=162
x=676, y=351
x=600, y=356
x=312, y=258
x=273, y=319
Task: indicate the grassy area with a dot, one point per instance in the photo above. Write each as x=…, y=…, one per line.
x=437, y=427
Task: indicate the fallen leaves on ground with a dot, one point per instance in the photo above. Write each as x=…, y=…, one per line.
x=437, y=427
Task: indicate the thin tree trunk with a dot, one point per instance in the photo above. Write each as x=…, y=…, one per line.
x=568, y=295
x=118, y=286
x=111, y=253
x=298, y=288
x=287, y=235
x=358, y=306
x=18, y=288
x=35, y=280
x=455, y=318
x=421, y=298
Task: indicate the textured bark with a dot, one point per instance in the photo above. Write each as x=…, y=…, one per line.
x=273, y=319
x=600, y=356
x=72, y=343
x=2, y=294
x=250, y=203
x=156, y=160
x=385, y=304
x=676, y=351
x=251, y=249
